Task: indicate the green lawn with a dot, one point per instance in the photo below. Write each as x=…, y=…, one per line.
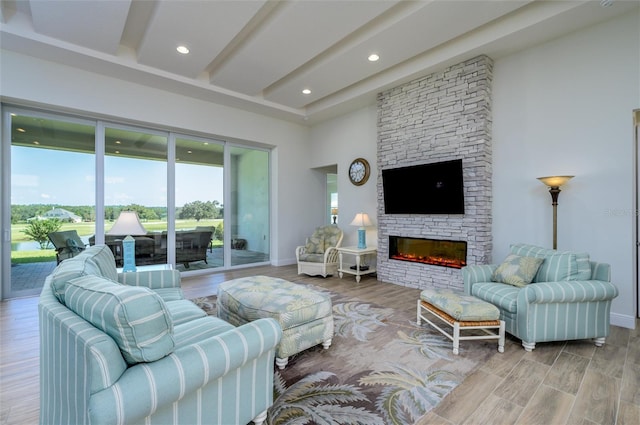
x=88, y=229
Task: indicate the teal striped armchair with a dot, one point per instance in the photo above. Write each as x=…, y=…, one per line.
x=569, y=296
x=129, y=349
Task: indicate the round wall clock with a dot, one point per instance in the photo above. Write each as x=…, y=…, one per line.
x=359, y=171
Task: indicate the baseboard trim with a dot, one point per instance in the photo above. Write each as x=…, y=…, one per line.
x=623, y=320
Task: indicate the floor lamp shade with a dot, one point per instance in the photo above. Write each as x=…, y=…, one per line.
x=128, y=224
x=362, y=220
x=554, y=183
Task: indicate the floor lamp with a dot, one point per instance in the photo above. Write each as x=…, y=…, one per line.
x=554, y=183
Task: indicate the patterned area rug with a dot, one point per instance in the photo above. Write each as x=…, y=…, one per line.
x=380, y=369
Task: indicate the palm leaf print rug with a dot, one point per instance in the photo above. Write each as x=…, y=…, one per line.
x=382, y=368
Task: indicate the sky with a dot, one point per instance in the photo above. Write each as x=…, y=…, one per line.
x=45, y=176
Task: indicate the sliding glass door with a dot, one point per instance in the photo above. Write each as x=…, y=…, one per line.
x=52, y=194
x=202, y=203
x=135, y=179
x=248, y=205
x=199, y=200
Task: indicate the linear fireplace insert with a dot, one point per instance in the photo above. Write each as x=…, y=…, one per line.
x=436, y=252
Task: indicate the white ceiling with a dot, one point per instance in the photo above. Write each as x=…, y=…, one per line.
x=259, y=54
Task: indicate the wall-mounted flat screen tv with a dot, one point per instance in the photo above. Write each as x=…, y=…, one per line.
x=435, y=188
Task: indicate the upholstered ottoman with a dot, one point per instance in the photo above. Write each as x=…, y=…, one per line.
x=305, y=315
x=462, y=312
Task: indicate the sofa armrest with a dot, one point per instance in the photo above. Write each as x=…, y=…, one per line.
x=476, y=273
x=152, y=279
x=600, y=271
x=146, y=387
x=299, y=251
x=574, y=291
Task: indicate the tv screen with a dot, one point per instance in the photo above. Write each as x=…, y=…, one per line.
x=424, y=189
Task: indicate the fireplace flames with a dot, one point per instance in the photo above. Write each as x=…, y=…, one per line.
x=445, y=253
x=434, y=261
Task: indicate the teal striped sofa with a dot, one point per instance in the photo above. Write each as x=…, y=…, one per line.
x=569, y=296
x=130, y=349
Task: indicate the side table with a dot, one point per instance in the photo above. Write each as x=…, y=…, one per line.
x=149, y=267
x=359, y=269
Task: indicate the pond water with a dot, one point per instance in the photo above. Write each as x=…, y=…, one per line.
x=32, y=245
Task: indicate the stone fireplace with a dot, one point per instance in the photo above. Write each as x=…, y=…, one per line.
x=436, y=252
x=444, y=116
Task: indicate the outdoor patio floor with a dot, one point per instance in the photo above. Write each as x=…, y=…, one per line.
x=27, y=279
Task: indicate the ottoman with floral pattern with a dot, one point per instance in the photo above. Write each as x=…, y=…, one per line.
x=461, y=312
x=305, y=315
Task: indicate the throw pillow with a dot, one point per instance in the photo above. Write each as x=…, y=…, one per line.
x=558, y=267
x=135, y=317
x=517, y=270
x=580, y=269
x=71, y=269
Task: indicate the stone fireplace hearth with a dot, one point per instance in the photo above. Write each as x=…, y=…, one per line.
x=444, y=116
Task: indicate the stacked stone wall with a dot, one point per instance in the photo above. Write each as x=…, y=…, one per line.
x=444, y=116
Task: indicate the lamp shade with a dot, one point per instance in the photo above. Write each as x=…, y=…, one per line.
x=361, y=220
x=127, y=223
x=555, y=181
x=334, y=211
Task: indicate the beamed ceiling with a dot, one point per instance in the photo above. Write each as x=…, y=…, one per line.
x=260, y=55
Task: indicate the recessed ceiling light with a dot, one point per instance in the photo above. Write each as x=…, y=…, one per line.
x=306, y=91
x=21, y=130
x=182, y=49
x=35, y=142
x=373, y=57
x=118, y=142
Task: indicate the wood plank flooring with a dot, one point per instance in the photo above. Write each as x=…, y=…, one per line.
x=558, y=383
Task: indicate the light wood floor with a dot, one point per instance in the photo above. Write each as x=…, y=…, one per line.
x=558, y=383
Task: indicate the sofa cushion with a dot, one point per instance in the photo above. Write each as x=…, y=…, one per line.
x=499, y=294
x=312, y=258
x=103, y=258
x=198, y=330
x=69, y=269
x=183, y=311
x=135, y=317
x=517, y=270
x=557, y=266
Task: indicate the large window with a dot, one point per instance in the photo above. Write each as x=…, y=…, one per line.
x=76, y=176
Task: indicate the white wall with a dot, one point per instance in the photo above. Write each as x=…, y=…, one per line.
x=565, y=107
x=28, y=81
x=340, y=141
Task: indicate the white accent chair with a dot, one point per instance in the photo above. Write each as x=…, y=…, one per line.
x=319, y=255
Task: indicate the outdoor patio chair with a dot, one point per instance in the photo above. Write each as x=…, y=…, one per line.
x=67, y=244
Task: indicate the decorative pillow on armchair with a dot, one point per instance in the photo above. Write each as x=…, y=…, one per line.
x=517, y=270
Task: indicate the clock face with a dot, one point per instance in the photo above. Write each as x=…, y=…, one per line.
x=359, y=171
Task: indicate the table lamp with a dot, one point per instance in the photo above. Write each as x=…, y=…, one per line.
x=361, y=220
x=128, y=224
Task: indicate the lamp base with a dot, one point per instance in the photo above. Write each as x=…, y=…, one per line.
x=362, y=238
x=129, y=254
